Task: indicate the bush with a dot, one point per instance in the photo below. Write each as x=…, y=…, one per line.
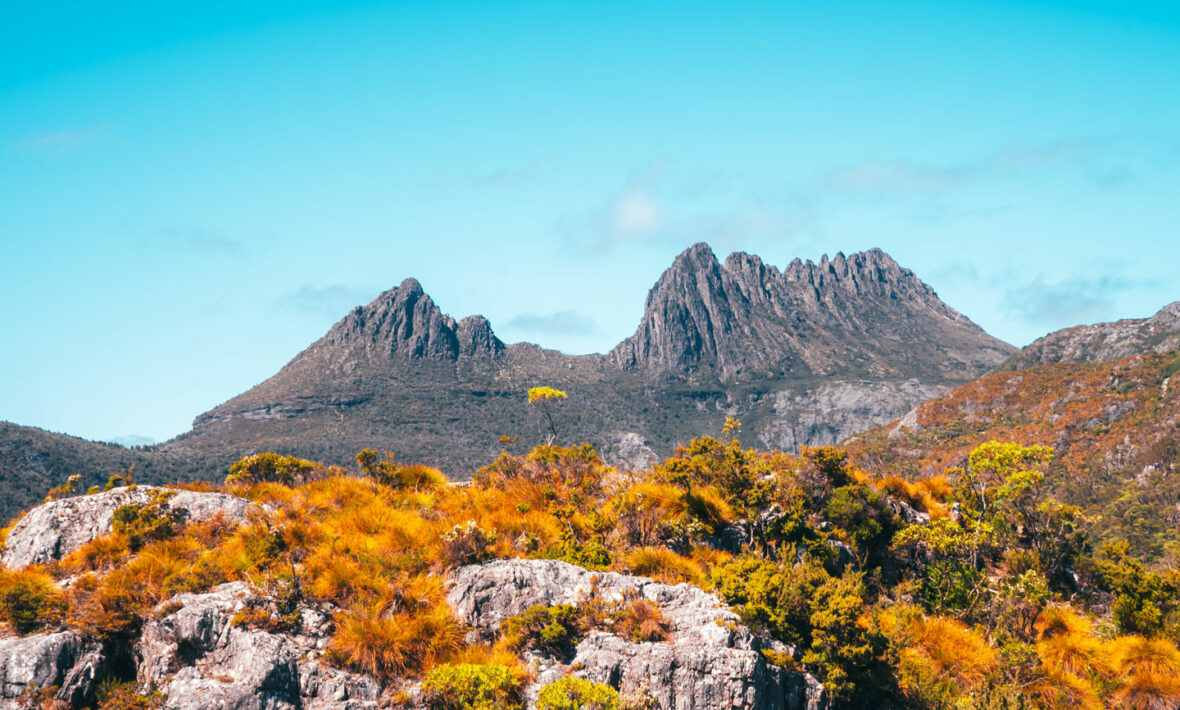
x=572, y=693
x=29, y=600
x=388, y=473
x=550, y=630
x=467, y=544
x=147, y=522
x=270, y=468
x=469, y=686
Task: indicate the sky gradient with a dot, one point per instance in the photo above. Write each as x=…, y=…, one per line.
x=192, y=193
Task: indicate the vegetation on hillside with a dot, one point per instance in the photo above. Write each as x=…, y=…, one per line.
x=972, y=588
x=1114, y=426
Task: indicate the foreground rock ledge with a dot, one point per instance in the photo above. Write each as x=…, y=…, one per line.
x=711, y=660
x=55, y=529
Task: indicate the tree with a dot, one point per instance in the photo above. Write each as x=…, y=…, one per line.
x=544, y=398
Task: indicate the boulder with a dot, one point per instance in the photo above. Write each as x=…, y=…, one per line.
x=55, y=529
x=197, y=657
x=710, y=661
x=62, y=660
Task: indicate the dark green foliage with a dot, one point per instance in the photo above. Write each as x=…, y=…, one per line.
x=1145, y=602
x=550, y=630
x=144, y=523
x=269, y=467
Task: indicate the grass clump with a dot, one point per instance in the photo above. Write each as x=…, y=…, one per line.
x=29, y=600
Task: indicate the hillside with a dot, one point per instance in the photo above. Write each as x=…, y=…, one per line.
x=1114, y=425
x=722, y=577
x=804, y=356
x=1104, y=341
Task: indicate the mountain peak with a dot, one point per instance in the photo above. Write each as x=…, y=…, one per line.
x=745, y=318
x=404, y=323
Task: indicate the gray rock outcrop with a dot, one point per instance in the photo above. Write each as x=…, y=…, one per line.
x=1104, y=341
x=834, y=411
x=404, y=323
x=710, y=660
x=53, y=530
x=196, y=657
x=743, y=319
x=62, y=660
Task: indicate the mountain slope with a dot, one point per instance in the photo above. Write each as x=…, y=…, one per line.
x=1115, y=427
x=807, y=355
x=1104, y=341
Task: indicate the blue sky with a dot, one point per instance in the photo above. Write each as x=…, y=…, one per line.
x=190, y=193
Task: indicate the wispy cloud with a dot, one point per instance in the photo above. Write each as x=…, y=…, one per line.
x=199, y=239
x=502, y=178
x=565, y=322
x=60, y=142
x=331, y=301
x=658, y=206
x=1068, y=302
x=910, y=177
x=896, y=177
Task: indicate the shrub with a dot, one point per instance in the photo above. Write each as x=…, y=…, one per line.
x=29, y=600
x=572, y=693
x=469, y=686
x=551, y=630
x=123, y=696
x=270, y=468
x=147, y=522
x=468, y=543
x=65, y=490
x=391, y=474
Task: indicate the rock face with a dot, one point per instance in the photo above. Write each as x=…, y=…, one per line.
x=62, y=660
x=744, y=318
x=711, y=660
x=196, y=657
x=835, y=411
x=404, y=323
x=53, y=530
x=1104, y=342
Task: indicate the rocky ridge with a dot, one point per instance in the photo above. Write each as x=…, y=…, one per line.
x=1103, y=342
x=710, y=661
x=53, y=530
x=743, y=318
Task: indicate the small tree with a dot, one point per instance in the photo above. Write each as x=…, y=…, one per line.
x=542, y=397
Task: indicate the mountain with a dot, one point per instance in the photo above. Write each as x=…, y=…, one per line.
x=1104, y=341
x=1114, y=426
x=744, y=319
x=806, y=355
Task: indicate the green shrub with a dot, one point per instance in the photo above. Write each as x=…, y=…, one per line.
x=146, y=522
x=572, y=693
x=469, y=686
x=551, y=630
x=270, y=468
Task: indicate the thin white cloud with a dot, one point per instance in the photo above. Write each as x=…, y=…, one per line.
x=1068, y=302
x=331, y=301
x=59, y=142
x=564, y=322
